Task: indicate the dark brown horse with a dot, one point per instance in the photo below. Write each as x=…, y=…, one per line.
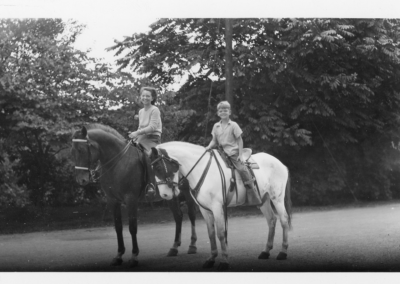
x=122, y=178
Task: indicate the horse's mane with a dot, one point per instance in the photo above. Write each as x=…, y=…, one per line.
x=106, y=129
x=182, y=145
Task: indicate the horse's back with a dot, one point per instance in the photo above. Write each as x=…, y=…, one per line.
x=265, y=161
x=272, y=174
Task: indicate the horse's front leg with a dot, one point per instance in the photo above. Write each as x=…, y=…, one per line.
x=191, y=205
x=173, y=205
x=118, y=229
x=220, y=223
x=209, y=218
x=132, y=208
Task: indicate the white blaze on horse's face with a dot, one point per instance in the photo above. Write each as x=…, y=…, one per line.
x=82, y=177
x=80, y=158
x=84, y=152
x=167, y=192
x=166, y=171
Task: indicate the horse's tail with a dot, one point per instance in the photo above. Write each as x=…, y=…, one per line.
x=288, y=201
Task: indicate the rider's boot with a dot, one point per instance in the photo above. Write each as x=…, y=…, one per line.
x=252, y=195
x=150, y=189
x=150, y=179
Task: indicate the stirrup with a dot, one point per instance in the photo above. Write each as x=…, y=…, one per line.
x=252, y=180
x=249, y=185
x=150, y=188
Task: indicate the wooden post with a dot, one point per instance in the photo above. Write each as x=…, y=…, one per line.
x=228, y=62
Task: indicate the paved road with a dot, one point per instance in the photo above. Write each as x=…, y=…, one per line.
x=357, y=239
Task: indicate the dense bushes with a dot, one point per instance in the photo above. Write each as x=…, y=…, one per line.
x=322, y=95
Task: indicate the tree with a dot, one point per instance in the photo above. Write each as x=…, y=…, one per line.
x=11, y=194
x=46, y=88
x=320, y=94
x=343, y=75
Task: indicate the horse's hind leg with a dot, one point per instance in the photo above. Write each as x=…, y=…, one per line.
x=209, y=218
x=132, y=206
x=191, y=205
x=173, y=204
x=283, y=217
x=118, y=229
x=269, y=215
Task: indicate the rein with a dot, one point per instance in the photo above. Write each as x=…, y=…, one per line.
x=92, y=171
x=197, y=188
x=167, y=180
x=199, y=184
x=224, y=200
x=172, y=184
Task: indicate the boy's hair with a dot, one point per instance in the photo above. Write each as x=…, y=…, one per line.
x=224, y=104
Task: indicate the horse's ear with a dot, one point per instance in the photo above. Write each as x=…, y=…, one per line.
x=84, y=131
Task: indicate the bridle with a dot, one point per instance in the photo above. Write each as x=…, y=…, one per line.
x=91, y=171
x=168, y=181
x=111, y=163
x=194, y=192
x=171, y=184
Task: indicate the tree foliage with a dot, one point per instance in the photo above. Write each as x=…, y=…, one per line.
x=320, y=94
x=46, y=88
x=11, y=194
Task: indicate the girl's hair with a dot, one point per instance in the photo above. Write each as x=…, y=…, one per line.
x=152, y=91
x=224, y=104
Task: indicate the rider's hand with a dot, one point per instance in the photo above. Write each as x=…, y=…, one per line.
x=133, y=135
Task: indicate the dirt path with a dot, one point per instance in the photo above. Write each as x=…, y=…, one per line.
x=358, y=239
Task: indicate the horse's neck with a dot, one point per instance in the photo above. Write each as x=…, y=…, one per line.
x=188, y=159
x=109, y=145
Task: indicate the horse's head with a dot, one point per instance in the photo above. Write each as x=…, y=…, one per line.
x=166, y=171
x=84, y=153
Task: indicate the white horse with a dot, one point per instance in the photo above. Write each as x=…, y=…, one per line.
x=210, y=179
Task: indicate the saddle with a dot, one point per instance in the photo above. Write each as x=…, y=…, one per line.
x=246, y=157
x=248, y=161
x=137, y=145
x=147, y=170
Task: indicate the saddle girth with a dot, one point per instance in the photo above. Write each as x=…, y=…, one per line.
x=249, y=163
x=230, y=165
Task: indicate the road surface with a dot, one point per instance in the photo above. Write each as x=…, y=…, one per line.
x=339, y=240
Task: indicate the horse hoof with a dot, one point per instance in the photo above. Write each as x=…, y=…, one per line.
x=223, y=266
x=192, y=250
x=263, y=255
x=116, y=261
x=281, y=256
x=172, y=252
x=133, y=263
x=208, y=264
